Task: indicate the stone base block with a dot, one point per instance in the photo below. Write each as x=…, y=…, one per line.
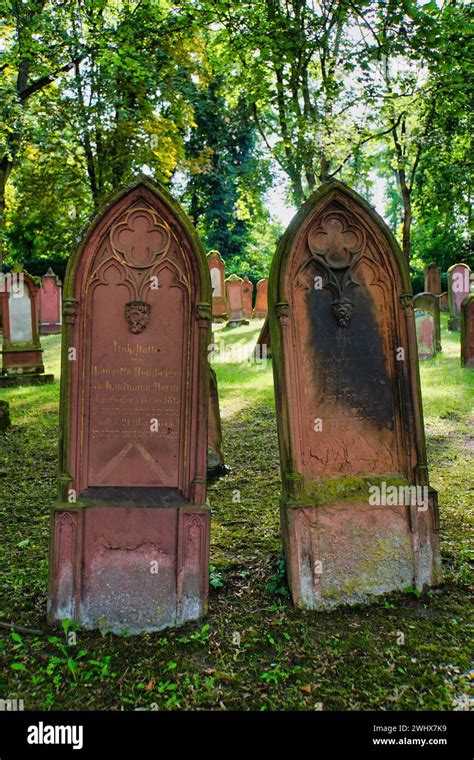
x=237, y=322
x=129, y=569
x=348, y=552
x=11, y=381
x=454, y=324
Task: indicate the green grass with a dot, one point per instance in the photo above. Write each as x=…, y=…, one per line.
x=254, y=651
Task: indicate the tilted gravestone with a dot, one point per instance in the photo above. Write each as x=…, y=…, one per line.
x=22, y=355
x=467, y=332
x=358, y=517
x=215, y=457
x=261, y=299
x=130, y=534
x=217, y=272
x=247, y=292
x=50, y=303
x=458, y=288
x=235, y=301
x=428, y=325
x=432, y=279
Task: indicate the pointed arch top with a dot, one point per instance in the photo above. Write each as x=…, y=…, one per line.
x=122, y=200
x=330, y=194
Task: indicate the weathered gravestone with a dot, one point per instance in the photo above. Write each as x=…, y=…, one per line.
x=428, y=325
x=22, y=355
x=467, y=332
x=348, y=401
x=443, y=301
x=432, y=279
x=458, y=288
x=261, y=299
x=130, y=534
x=263, y=348
x=215, y=457
x=247, y=292
x=50, y=303
x=235, y=301
x=217, y=272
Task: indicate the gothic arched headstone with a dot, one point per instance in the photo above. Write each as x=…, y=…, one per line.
x=130, y=535
x=358, y=516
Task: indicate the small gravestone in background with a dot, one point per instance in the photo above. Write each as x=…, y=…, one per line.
x=443, y=301
x=5, y=421
x=50, y=303
x=130, y=534
x=235, y=301
x=215, y=457
x=432, y=279
x=263, y=348
x=358, y=516
x=458, y=288
x=22, y=355
x=428, y=325
x=467, y=332
x=217, y=272
x=261, y=300
x=247, y=291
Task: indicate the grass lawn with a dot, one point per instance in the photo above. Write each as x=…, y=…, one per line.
x=254, y=651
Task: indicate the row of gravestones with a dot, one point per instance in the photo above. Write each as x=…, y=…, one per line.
x=130, y=529
x=232, y=298
x=457, y=300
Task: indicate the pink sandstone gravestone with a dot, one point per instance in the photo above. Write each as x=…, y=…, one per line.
x=261, y=300
x=432, y=279
x=235, y=302
x=467, y=332
x=217, y=273
x=247, y=292
x=358, y=516
x=50, y=303
x=22, y=355
x=458, y=289
x=130, y=534
x=428, y=325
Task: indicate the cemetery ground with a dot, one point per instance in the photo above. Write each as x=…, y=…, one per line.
x=254, y=650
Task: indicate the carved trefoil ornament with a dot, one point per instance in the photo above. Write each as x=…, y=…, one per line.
x=336, y=245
